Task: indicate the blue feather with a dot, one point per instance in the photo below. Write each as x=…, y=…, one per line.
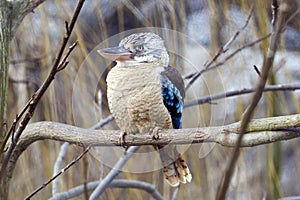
x=173, y=102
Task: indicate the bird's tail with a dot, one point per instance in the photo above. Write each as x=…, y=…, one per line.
x=175, y=169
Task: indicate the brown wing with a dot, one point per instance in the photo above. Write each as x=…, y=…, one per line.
x=175, y=77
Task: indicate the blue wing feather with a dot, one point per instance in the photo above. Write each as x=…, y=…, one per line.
x=173, y=101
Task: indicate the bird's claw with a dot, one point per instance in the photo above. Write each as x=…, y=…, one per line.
x=122, y=140
x=155, y=132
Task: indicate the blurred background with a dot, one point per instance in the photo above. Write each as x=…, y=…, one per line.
x=78, y=97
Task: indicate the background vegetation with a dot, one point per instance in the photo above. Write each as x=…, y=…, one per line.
x=269, y=170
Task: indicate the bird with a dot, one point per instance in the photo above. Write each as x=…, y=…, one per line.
x=145, y=93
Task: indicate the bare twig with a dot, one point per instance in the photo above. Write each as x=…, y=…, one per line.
x=103, y=122
x=209, y=99
x=113, y=173
x=137, y=13
x=175, y=193
x=222, y=50
x=57, y=166
x=226, y=46
x=31, y=105
x=292, y=16
x=62, y=65
x=224, y=184
x=119, y=183
x=256, y=70
x=290, y=198
x=196, y=75
x=58, y=174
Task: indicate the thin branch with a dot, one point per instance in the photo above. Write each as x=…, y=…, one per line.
x=136, y=12
x=256, y=70
x=30, y=107
x=119, y=183
x=290, y=198
x=292, y=16
x=64, y=61
x=31, y=104
x=74, y=192
x=58, y=174
x=113, y=173
x=57, y=166
x=196, y=75
x=225, y=182
x=14, y=124
x=225, y=48
x=103, y=122
x=209, y=99
x=222, y=50
x=138, y=185
x=175, y=193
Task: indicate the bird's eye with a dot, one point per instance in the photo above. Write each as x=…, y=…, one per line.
x=139, y=48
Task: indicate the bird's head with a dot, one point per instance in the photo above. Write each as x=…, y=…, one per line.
x=138, y=48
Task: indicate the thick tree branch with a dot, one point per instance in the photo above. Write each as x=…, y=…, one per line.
x=259, y=131
x=75, y=135
x=64, y=150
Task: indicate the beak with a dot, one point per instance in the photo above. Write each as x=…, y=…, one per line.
x=116, y=53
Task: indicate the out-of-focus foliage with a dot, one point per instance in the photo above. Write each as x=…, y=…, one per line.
x=209, y=23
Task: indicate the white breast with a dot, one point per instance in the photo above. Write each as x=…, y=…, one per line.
x=135, y=98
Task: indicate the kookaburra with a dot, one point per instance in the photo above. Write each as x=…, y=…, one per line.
x=144, y=93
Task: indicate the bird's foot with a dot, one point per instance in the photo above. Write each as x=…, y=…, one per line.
x=122, y=140
x=155, y=132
